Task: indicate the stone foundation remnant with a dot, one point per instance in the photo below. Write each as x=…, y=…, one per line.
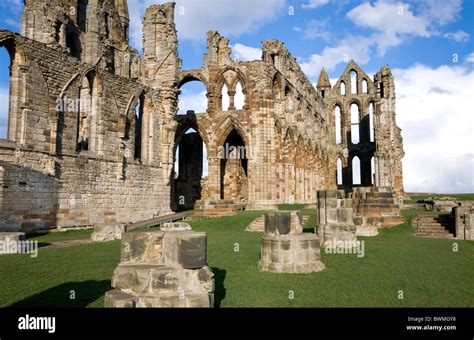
x=167, y=268
x=108, y=232
x=376, y=207
x=286, y=249
x=440, y=205
x=464, y=220
x=215, y=208
x=335, y=219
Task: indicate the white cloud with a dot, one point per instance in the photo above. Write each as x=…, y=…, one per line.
x=192, y=101
x=391, y=21
x=458, y=36
x=246, y=53
x=470, y=58
x=4, y=94
x=315, y=4
x=441, y=11
x=230, y=18
x=315, y=29
x=357, y=48
x=438, y=131
x=388, y=18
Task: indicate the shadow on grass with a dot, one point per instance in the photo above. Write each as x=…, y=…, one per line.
x=220, y=291
x=61, y=296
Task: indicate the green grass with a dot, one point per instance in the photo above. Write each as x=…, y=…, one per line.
x=63, y=236
x=415, y=197
x=291, y=206
x=428, y=272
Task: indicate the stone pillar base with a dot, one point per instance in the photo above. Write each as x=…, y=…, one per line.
x=332, y=234
x=166, y=268
x=368, y=231
x=292, y=253
x=160, y=286
x=108, y=232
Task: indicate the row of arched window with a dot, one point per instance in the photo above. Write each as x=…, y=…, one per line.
x=356, y=174
x=355, y=118
x=354, y=84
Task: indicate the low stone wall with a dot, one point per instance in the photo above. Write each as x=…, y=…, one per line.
x=464, y=220
x=215, y=208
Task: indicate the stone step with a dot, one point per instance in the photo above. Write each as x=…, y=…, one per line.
x=257, y=225
x=427, y=230
x=430, y=223
x=435, y=235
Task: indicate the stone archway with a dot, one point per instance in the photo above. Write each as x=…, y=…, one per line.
x=233, y=156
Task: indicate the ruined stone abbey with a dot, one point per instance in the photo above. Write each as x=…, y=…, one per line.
x=93, y=127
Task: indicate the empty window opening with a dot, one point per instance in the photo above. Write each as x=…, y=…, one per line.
x=85, y=113
x=343, y=88
x=356, y=171
x=138, y=127
x=353, y=75
x=371, y=122
x=4, y=92
x=339, y=171
x=192, y=98
x=355, y=124
x=82, y=7
x=72, y=42
x=239, y=99
x=372, y=170
x=338, y=117
x=225, y=98
x=106, y=25
x=364, y=86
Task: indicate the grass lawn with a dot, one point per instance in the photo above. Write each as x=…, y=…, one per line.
x=291, y=206
x=427, y=271
x=63, y=236
x=415, y=197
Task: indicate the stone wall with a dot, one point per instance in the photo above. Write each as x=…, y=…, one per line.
x=464, y=220
x=50, y=177
x=96, y=126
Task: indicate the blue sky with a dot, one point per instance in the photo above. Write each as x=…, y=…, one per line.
x=428, y=44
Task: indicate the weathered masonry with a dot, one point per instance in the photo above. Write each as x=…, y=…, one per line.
x=93, y=127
